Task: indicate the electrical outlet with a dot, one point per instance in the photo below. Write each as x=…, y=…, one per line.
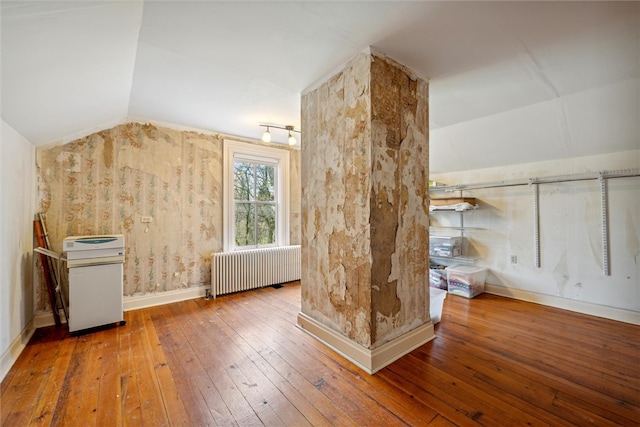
x=146, y=219
x=514, y=259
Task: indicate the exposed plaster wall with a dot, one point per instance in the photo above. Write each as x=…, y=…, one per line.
x=104, y=183
x=336, y=163
x=364, y=208
x=399, y=205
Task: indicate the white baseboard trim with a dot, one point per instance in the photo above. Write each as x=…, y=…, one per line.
x=619, y=314
x=370, y=361
x=161, y=298
x=45, y=318
x=10, y=356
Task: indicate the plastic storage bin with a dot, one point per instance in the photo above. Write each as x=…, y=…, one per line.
x=438, y=277
x=466, y=280
x=436, y=301
x=445, y=246
x=445, y=240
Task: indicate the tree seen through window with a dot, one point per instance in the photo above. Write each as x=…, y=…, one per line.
x=255, y=203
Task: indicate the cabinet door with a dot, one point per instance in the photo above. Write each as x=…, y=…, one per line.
x=95, y=296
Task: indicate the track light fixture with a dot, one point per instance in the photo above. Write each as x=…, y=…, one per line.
x=266, y=136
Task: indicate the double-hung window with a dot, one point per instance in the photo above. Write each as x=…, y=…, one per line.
x=256, y=196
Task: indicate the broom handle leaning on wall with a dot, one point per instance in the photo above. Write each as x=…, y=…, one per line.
x=57, y=277
x=44, y=261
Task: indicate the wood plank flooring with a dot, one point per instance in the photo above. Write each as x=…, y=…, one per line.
x=240, y=360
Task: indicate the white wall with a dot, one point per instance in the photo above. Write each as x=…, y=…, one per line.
x=17, y=195
x=571, y=272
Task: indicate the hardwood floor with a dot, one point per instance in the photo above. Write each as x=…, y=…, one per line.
x=240, y=360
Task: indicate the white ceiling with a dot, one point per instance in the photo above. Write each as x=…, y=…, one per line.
x=510, y=82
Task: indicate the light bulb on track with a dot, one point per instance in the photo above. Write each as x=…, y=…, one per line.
x=266, y=136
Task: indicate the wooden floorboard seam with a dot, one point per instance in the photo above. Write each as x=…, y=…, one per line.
x=241, y=360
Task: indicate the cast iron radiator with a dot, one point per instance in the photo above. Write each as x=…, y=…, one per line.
x=254, y=268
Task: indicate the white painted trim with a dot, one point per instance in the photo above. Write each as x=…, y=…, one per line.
x=404, y=344
x=613, y=313
x=42, y=319
x=151, y=300
x=371, y=361
x=277, y=155
x=10, y=356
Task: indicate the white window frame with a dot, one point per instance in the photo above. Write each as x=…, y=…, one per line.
x=236, y=150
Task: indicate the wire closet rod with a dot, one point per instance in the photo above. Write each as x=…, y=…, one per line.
x=622, y=173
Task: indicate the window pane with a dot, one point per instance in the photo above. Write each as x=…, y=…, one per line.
x=245, y=224
x=243, y=181
x=257, y=176
x=266, y=224
x=265, y=183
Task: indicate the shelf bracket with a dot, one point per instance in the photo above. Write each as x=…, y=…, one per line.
x=605, y=224
x=536, y=222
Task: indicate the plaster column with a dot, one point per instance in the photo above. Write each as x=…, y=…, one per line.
x=365, y=212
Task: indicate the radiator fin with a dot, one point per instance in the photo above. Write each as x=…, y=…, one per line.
x=255, y=268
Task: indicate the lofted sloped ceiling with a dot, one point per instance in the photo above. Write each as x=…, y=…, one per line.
x=510, y=82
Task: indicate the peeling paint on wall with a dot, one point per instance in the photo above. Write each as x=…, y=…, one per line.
x=365, y=221
x=103, y=183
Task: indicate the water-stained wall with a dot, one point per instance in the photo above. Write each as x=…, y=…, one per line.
x=103, y=183
x=399, y=199
x=364, y=205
